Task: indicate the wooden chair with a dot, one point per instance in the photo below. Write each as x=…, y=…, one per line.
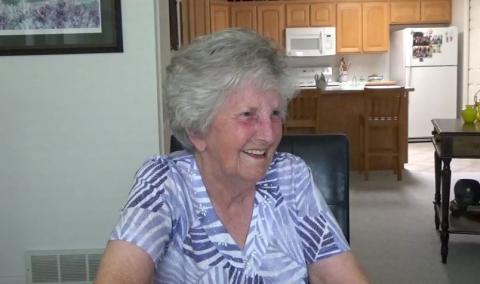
x=302, y=115
x=382, y=109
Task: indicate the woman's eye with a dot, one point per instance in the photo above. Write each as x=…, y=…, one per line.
x=276, y=113
x=247, y=113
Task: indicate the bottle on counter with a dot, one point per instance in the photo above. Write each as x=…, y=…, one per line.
x=343, y=70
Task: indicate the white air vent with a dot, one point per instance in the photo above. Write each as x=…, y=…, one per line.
x=62, y=266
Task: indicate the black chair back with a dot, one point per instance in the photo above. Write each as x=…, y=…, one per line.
x=327, y=155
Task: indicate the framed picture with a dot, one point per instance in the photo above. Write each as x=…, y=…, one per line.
x=60, y=26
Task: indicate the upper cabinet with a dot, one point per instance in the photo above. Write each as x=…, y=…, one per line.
x=271, y=22
x=362, y=27
x=349, y=27
x=404, y=11
x=322, y=14
x=195, y=19
x=268, y=19
x=219, y=16
x=435, y=11
x=298, y=15
x=420, y=11
x=376, y=32
x=244, y=16
x=310, y=14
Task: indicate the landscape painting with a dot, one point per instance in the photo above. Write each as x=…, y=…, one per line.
x=31, y=27
x=30, y=17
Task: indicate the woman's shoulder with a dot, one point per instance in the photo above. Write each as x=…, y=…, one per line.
x=179, y=160
x=159, y=177
x=158, y=169
x=287, y=160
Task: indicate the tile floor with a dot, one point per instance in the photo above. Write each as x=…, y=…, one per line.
x=420, y=158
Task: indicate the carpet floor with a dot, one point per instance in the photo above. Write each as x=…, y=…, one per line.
x=392, y=225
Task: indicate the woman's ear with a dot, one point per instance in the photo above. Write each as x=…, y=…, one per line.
x=198, y=140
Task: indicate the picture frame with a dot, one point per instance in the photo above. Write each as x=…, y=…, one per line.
x=33, y=27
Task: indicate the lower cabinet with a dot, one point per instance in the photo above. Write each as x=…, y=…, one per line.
x=339, y=112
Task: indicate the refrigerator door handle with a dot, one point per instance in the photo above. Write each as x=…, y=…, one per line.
x=409, y=76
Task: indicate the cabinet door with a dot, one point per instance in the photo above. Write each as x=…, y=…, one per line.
x=244, y=16
x=219, y=17
x=404, y=11
x=376, y=35
x=298, y=15
x=349, y=27
x=322, y=14
x=435, y=11
x=195, y=15
x=271, y=22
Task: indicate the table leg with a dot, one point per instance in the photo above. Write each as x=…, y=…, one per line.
x=436, y=201
x=445, y=199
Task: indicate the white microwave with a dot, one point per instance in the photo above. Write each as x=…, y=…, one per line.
x=310, y=41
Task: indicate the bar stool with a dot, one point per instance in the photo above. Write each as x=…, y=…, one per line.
x=302, y=115
x=382, y=110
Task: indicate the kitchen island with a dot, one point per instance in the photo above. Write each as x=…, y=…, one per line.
x=338, y=110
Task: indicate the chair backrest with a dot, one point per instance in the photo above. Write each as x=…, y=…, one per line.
x=327, y=155
x=302, y=114
x=384, y=103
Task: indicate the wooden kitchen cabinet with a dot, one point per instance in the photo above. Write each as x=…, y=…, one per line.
x=219, y=17
x=340, y=111
x=362, y=27
x=404, y=11
x=435, y=11
x=271, y=22
x=268, y=19
x=244, y=16
x=322, y=14
x=349, y=27
x=298, y=15
x=420, y=11
x=310, y=14
x=375, y=27
x=195, y=19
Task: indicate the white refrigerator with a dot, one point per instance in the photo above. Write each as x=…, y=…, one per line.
x=426, y=60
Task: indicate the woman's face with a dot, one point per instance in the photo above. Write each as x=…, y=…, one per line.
x=242, y=137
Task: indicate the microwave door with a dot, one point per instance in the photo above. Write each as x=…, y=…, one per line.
x=306, y=45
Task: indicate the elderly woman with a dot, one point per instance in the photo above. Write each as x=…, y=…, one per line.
x=229, y=209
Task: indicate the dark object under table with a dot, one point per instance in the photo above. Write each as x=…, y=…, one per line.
x=452, y=139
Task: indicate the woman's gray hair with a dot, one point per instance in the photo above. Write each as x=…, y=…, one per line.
x=203, y=73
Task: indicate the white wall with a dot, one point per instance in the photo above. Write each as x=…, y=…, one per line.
x=73, y=130
x=474, y=47
x=459, y=19
x=362, y=65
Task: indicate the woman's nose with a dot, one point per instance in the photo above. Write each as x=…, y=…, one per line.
x=267, y=129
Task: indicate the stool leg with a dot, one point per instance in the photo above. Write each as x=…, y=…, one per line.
x=360, y=162
x=399, y=156
x=365, y=151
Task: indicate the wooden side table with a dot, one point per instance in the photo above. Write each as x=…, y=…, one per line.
x=452, y=139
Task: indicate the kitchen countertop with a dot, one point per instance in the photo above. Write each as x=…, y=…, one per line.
x=360, y=87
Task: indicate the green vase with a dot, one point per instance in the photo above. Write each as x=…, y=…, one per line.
x=469, y=114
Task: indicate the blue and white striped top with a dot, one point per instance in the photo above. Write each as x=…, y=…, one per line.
x=170, y=216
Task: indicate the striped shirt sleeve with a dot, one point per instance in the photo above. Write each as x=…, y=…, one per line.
x=146, y=221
